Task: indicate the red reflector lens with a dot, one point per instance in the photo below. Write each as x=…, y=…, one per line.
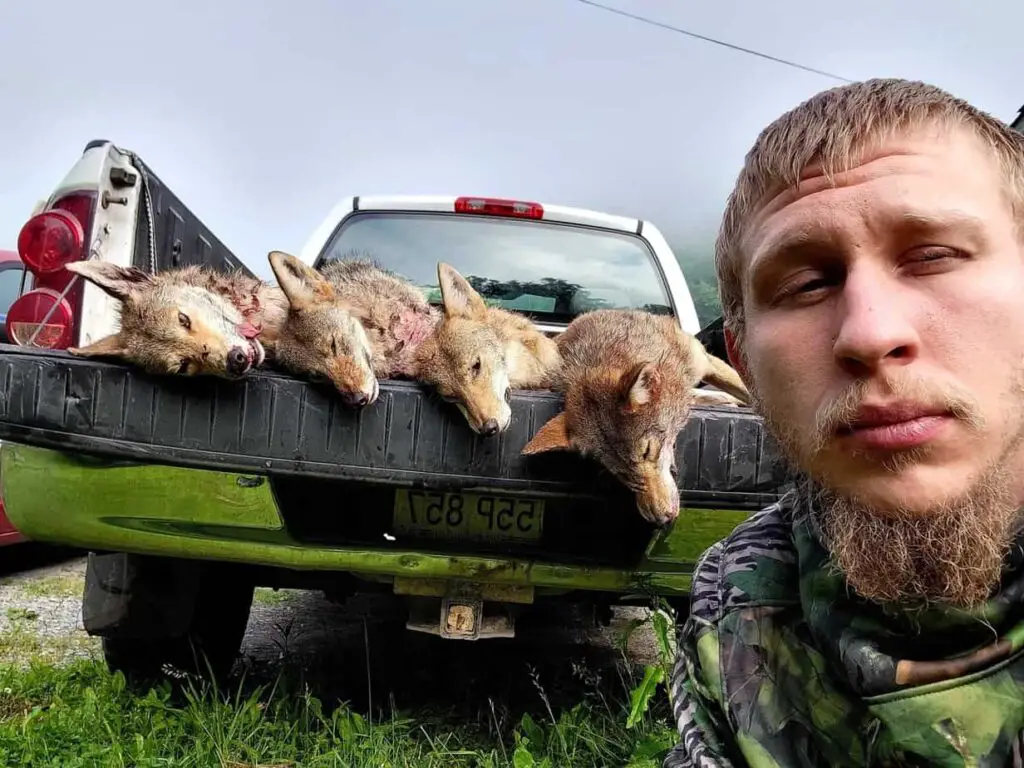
x=50, y=240
x=27, y=313
x=493, y=206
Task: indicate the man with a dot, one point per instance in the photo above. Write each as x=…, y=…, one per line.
x=871, y=267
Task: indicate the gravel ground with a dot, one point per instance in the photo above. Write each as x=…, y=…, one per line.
x=40, y=617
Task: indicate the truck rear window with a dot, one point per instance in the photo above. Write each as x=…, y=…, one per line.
x=550, y=272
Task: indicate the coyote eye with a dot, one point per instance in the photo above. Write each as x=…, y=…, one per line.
x=508, y=396
x=476, y=366
x=183, y=367
x=650, y=450
x=184, y=320
x=334, y=347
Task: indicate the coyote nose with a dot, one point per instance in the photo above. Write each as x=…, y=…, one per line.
x=489, y=427
x=357, y=400
x=238, y=361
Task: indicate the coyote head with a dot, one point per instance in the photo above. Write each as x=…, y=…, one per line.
x=464, y=359
x=628, y=421
x=323, y=337
x=169, y=324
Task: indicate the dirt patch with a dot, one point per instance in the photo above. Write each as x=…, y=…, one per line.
x=42, y=618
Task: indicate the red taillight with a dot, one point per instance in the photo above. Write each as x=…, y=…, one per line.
x=45, y=314
x=493, y=206
x=50, y=240
x=48, y=315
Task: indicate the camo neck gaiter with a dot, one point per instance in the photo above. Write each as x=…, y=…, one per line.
x=879, y=651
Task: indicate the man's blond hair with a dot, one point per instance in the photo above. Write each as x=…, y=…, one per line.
x=831, y=130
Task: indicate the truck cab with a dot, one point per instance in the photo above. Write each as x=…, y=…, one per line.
x=549, y=262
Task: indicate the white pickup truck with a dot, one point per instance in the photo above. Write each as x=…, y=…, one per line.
x=190, y=492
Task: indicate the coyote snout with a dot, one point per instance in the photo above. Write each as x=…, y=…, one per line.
x=323, y=337
x=478, y=354
x=172, y=323
x=467, y=367
x=628, y=378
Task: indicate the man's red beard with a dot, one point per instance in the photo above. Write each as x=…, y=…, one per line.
x=952, y=554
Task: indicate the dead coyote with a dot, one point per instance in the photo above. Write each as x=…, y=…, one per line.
x=188, y=321
x=478, y=354
x=350, y=324
x=628, y=379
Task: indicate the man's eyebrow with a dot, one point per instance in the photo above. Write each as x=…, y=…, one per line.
x=937, y=220
x=789, y=245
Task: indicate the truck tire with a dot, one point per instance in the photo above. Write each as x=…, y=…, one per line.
x=210, y=643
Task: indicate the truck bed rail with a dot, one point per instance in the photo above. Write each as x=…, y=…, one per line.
x=271, y=424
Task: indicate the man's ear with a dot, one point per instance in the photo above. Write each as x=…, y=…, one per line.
x=108, y=346
x=551, y=437
x=732, y=349
x=302, y=285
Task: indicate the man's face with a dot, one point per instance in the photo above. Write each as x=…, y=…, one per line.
x=885, y=322
x=884, y=344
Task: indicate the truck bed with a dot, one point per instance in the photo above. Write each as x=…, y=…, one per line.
x=310, y=446
x=272, y=424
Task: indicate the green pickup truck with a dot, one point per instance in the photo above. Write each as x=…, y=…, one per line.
x=189, y=492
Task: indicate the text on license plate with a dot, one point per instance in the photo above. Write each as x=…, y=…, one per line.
x=468, y=515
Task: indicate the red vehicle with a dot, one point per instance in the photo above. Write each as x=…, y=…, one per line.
x=11, y=271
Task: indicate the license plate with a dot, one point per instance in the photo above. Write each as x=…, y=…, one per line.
x=478, y=516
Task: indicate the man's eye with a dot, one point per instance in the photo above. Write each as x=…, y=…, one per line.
x=932, y=259
x=812, y=285
x=806, y=286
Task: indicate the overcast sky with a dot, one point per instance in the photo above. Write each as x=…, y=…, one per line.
x=260, y=115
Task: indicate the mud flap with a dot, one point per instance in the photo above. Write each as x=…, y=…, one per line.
x=139, y=596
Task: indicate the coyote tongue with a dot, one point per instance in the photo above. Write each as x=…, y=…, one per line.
x=249, y=331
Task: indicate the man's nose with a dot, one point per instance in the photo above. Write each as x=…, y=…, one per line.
x=876, y=329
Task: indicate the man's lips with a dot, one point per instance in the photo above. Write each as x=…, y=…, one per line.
x=894, y=427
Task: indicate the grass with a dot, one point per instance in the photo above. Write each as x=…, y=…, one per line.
x=268, y=596
x=429, y=703
x=79, y=714
x=21, y=645
x=69, y=585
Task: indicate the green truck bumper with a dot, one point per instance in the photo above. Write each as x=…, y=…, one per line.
x=65, y=498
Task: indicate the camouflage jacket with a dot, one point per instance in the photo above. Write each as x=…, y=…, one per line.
x=781, y=665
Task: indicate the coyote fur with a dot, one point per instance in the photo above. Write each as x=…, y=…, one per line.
x=188, y=321
x=628, y=379
x=350, y=324
x=478, y=354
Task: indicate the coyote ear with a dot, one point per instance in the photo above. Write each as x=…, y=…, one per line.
x=639, y=385
x=720, y=374
x=302, y=285
x=457, y=295
x=119, y=282
x=108, y=346
x=358, y=313
x=551, y=437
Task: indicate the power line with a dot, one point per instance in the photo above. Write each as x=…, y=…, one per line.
x=707, y=39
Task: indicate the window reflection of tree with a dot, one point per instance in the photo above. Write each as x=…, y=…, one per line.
x=570, y=298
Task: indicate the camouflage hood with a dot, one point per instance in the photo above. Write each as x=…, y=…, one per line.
x=781, y=665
